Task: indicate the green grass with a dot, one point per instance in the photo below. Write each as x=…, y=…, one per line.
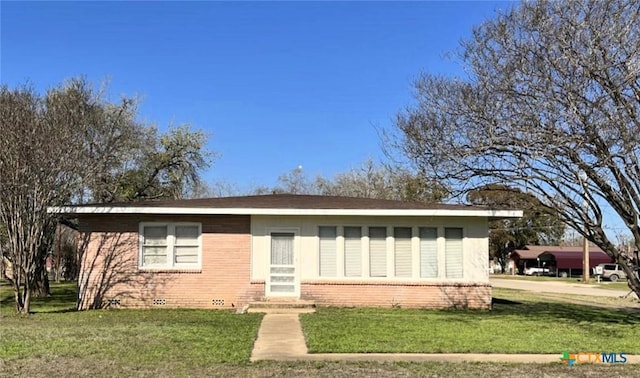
x=535, y=278
x=91, y=368
x=57, y=341
x=63, y=299
x=620, y=285
x=136, y=338
x=518, y=323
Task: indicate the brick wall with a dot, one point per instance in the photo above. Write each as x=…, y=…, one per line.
x=110, y=272
x=401, y=294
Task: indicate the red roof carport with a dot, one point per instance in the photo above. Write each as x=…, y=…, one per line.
x=573, y=259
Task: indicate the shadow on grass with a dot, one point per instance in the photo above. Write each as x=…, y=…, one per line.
x=495, y=301
x=554, y=311
x=62, y=299
x=509, y=309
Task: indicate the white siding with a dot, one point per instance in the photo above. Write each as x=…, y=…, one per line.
x=475, y=242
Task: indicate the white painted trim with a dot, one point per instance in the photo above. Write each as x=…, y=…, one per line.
x=171, y=243
x=296, y=263
x=261, y=211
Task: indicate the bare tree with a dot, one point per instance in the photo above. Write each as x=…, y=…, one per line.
x=372, y=180
x=72, y=146
x=40, y=165
x=219, y=188
x=551, y=104
x=539, y=225
x=295, y=181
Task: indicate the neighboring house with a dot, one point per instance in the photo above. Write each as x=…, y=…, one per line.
x=563, y=261
x=337, y=251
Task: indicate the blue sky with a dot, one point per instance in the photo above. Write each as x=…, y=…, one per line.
x=275, y=84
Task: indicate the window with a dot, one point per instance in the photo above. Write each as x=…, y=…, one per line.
x=154, y=249
x=428, y=252
x=402, y=246
x=378, y=251
x=352, y=251
x=453, y=252
x=170, y=245
x=328, y=251
x=186, y=244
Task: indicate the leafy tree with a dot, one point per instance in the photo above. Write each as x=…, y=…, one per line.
x=165, y=166
x=551, y=103
x=71, y=146
x=539, y=224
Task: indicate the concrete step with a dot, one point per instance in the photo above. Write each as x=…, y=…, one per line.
x=282, y=306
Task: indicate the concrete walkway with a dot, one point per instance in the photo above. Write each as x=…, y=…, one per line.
x=280, y=338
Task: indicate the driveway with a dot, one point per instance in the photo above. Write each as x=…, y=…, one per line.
x=557, y=287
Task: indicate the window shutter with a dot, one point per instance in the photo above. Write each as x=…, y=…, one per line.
x=453, y=252
x=352, y=252
x=428, y=252
x=402, y=245
x=328, y=251
x=378, y=251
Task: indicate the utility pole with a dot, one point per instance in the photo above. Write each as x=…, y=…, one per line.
x=585, y=259
x=585, y=246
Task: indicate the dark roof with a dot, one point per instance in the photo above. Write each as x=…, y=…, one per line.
x=290, y=201
x=524, y=254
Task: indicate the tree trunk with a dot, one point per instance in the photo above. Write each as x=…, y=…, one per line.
x=22, y=297
x=41, y=288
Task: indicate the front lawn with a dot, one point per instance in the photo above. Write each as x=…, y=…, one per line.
x=529, y=325
x=57, y=341
x=128, y=338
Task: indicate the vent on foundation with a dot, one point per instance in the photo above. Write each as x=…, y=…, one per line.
x=217, y=302
x=113, y=302
x=159, y=302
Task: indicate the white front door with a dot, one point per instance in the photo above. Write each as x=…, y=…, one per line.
x=282, y=279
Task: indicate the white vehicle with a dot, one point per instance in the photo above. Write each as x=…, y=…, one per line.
x=535, y=271
x=612, y=272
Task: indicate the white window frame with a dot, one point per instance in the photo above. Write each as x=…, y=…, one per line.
x=439, y=251
x=171, y=244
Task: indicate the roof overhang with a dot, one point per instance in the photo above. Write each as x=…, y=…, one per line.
x=95, y=210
